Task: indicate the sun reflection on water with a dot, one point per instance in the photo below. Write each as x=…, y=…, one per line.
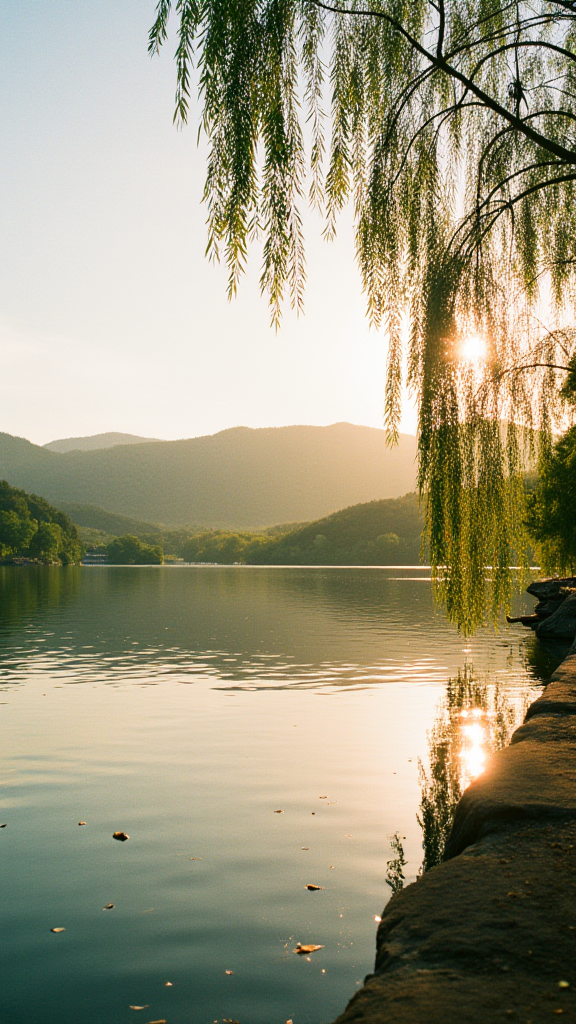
x=476, y=734
x=475, y=718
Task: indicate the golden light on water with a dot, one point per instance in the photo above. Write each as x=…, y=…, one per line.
x=476, y=740
x=473, y=349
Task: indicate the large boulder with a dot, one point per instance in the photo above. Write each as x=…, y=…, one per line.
x=550, y=587
x=561, y=625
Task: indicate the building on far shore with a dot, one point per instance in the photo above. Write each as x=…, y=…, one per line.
x=95, y=558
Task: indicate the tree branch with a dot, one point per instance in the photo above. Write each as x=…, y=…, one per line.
x=569, y=156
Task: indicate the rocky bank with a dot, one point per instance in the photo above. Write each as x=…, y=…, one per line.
x=490, y=934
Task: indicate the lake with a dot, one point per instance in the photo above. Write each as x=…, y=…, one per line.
x=187, y=706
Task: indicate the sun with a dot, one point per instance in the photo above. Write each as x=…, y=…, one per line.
x=473, y=349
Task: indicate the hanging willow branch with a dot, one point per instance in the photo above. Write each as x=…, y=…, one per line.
x=451, y=125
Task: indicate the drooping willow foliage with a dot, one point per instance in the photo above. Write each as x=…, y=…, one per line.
x=451, y=127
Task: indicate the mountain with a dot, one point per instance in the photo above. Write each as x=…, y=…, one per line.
x=96, y=518
x=376, y=533
x=238, y=478
x=95, y=441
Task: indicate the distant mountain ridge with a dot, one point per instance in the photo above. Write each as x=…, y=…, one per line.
x=95, y=441
x=238, y=478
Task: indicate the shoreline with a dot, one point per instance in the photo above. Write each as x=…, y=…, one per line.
x=490, y=934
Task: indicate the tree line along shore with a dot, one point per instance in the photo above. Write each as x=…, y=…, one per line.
x=372, y=533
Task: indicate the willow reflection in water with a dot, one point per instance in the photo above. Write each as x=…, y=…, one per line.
x=474, y=720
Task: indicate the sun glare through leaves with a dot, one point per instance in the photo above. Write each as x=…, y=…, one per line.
x=473, y=349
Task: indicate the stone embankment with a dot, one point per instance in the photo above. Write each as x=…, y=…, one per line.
x=490, y=934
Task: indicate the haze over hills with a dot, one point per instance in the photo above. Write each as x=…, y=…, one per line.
x=239, y=478
x=95, y=441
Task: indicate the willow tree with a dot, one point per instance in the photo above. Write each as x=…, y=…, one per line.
x=451, y=127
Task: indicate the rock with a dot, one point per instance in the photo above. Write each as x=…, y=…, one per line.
x=472, y=943
x=545, y=608
x=562, y=623
x=550, y=587
x=526, y=620
x=559, y=697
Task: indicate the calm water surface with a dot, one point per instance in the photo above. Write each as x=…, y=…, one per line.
x=185, y=706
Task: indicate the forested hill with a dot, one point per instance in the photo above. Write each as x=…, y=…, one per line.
x=377, y=533
x=237, y=478
x=30, y=527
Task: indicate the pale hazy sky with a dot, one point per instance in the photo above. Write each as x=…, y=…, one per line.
x=110, y=316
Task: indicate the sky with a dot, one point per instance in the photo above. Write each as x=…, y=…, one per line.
x=111, y=318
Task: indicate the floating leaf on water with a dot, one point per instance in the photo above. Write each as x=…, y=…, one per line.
x=306, y=949
x=81, y=822
x=145, y=1007
x=563, y=984
x=194, y=858
x=57, y=930
x=157, y=1021
x=228, y=972
x=109, y=906
x=168, y=984
x=290, y=1021
x=121, y=836
x=4, y=825
x=312, y=887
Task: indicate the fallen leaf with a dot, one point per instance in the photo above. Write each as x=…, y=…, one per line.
x=348, y=836
x=145, y=1007
x=81, y=822
x=306, y=949
x=57, y=930
x=313, y=887
x=277, y=812
x=121, y=836
x=305, y=847
x=228, y=972
x=322, y=797
x=109, y=906
x=331, y=867
x=313, y=812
